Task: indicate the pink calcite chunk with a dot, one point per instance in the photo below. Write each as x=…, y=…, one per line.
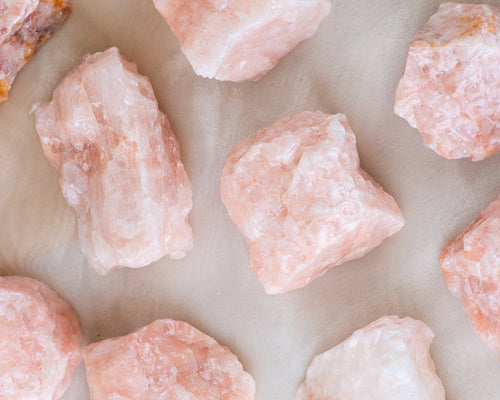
x=39, y=341
x=471, y=268
x=240, y=40
x=12, y=15
x=386, y=360
x=119, y=164
x=297, y=193
x=450, y=90
x=167, y=360
x=24, y=27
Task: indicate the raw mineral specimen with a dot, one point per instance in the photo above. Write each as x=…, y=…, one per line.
x=296, y=192
x=388, y=359
x=470, y=266
x=39, y=341
x=12, y=15
x=240, y=40
x=165, y=360
x=451, y=84
x=119, y=164
x=24, y=26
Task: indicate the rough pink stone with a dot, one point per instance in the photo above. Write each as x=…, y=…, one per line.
x=450, y=90
x=167, y=360
x=39, y=341
x=24, y=26
x=119, y=164
x=12, y=15
x=240, y=40
x=296, y=192
x=470, y=266
x=386, y=360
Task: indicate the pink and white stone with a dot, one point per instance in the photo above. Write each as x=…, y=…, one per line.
x=296, y=192
x=240, y=40
x=470, y=263
x=388, y=359
x=39, y=341
x=119, y=164
x=166, y=360
x=12, y=14
x=450, y=90
x=24, y=26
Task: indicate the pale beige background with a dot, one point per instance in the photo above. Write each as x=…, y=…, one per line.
x=352, y=65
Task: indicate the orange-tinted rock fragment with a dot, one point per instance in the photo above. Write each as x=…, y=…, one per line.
x=39, y=341
x=166, y=360
x=24, y=26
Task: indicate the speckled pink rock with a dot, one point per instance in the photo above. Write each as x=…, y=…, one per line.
x=386, y=360
x=450, y=90
x=24, y=26
x=296, y=192
x=12, y=15
x=39, y=341
x=240, y=40
x=119, y=164
x=470, y=264
x=167, y=360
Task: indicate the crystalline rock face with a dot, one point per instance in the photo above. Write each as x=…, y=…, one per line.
x=240, y=40
x=296, y=192
x=471, y=268
x=24, y=26
x=450, y=90
x=39, y=341
x=166, y=360
x=388, y=359
x=119, y=164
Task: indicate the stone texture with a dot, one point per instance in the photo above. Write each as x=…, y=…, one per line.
x=451, y=84
x=166, y=360
x=119, y=164
x=39, y=341
x=388, y=359
x=24, y=26
x=12, y=15
x=296, y=192
x=238, y=40
x=470, y=266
